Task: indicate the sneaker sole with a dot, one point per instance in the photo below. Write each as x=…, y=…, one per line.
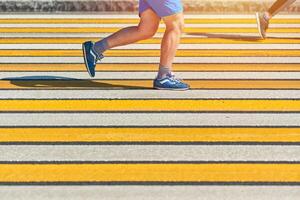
x=172, y=89
x=258, y=26
x=85, y=61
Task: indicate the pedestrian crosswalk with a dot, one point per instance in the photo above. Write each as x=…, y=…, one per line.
x=234, y=135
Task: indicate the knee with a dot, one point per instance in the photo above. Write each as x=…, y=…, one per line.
x=181, y=27
x=175, y=23
x=147, y=32
x=176, y=27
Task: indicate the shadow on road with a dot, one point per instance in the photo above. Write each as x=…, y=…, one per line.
x=236, y=37
x=65, y=83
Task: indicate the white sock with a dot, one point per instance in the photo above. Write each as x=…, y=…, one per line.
x=163, y=72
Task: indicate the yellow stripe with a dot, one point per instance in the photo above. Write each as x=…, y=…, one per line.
x=135, y=21
x=151, y=67
x=150, y=172
x=154, y=41
x=150, y=135
x=160, y=30
x=154, y=53
x=149, y=105
x=147, y=84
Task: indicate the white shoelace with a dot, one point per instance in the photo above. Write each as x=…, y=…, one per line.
x=177, y=80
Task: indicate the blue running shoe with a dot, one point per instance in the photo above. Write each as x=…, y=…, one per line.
x=170, y=83
x=90, y=57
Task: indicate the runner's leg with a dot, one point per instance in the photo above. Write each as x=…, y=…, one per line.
x=171, y=11
x=93, y=52
x=170, y=42
x=148, y=25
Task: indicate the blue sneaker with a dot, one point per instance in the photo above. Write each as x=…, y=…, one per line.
x=90, y=57
x=170, y=83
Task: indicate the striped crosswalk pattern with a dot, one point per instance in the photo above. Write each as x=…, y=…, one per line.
x=234, y=135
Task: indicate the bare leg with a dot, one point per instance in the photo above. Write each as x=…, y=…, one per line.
x=278, y=6
x=171, y=39
x=169, y=45
x=147, y=27
x=264, y=18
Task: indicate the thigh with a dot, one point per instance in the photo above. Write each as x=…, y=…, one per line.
x=143, y=6
x=165, y=8
x=149, y=20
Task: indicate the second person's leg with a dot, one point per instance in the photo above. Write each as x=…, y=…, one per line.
x=278, y=6
x=264, y=18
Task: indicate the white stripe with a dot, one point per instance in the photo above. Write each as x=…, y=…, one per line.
x=153, y=60
x=68, y=16
x=54, y=35
x=214, y=46
x=147, y=119
x=156, y=46
x=148, y=75
x=133, y=16
x=150, y=94
x=138, y=153
x=126, y=25
x=66, y=35
x=150, y=192
x=94, y=55
x=166, y=80
x=67, y=25
x=158, y=35
x=248, y=37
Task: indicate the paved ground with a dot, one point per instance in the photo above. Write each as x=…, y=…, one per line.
x=235, y=135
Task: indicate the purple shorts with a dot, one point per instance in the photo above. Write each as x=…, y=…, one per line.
x=162, y=8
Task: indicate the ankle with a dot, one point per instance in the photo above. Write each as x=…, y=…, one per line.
x=163, y=72
x=101, y=46
x=96, y=52
x=267, y=16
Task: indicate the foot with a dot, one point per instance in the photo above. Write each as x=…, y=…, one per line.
x=262, y=24
x=170, y=83
x=90, y=57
